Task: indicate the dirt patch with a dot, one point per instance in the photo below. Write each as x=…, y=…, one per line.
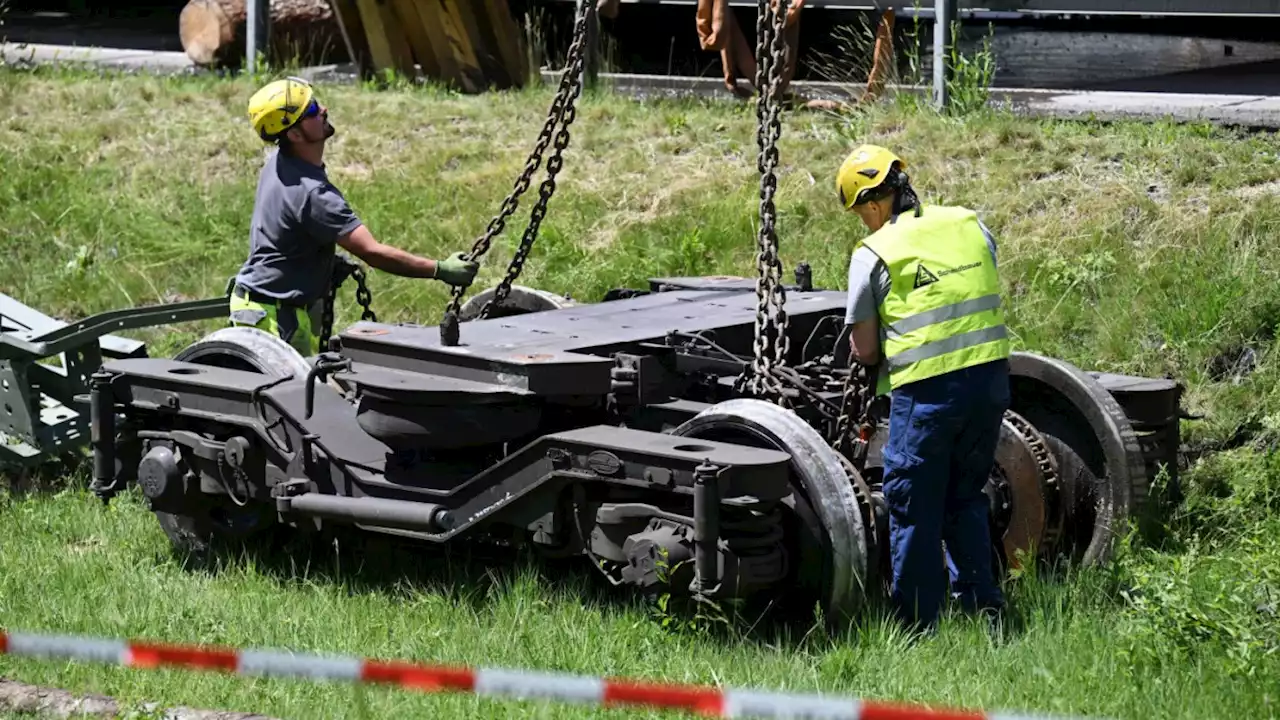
x=52, y=702
x=353, y=171
x=1252, y=192
x=1233, y=364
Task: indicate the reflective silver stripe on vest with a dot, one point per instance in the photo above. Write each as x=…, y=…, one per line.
x=942, y=347
x=944, y=313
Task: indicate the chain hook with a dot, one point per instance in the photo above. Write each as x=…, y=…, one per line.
x=344, y=268
x=561, y=113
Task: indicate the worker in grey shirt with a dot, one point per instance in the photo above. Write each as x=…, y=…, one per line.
x=300, y=217
x=869, y=282
x=926, y=309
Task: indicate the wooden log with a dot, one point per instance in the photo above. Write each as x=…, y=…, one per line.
x=348, y=17
x=484, y=46
x=421, y=29
x=460, y=28
x=388, y=45
x=213, y=31
x=499, y=26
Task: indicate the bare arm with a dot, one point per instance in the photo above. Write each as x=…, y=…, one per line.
x=867, y=279
x=864, y=341
x=361, y=243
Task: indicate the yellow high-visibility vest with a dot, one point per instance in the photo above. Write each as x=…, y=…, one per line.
x=943, y=309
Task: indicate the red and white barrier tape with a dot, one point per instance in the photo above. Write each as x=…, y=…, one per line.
x=706, y=701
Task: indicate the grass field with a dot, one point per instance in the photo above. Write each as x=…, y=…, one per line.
x=1143, y=248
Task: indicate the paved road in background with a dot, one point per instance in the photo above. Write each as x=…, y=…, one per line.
x=1246, y=95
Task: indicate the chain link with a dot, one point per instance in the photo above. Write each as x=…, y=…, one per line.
x=852, y=428
x=1048, y=469
x=548, y=186
x=844, y=435
x=764, y=40
x=342, y=269
x=326, y=317
x=364, y=296
x=562, y=112
x=772, y=344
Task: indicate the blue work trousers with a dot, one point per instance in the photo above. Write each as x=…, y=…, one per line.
x=941, y=447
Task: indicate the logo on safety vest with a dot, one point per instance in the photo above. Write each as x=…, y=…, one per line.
x=924, y=276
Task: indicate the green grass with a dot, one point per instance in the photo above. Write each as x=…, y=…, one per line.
x=1130, y=247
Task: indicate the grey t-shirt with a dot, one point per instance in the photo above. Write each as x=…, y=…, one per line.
x=298, y=216
x=869, y=281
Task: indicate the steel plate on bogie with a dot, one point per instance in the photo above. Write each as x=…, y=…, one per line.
x=567, y=351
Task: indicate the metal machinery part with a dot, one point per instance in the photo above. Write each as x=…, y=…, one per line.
x=1023, y=489
x=614, y=431
x=46, y=364
x=831, y=559
x=1106, y=472
x=45, y=370
x=519, y=300
x=201, y=481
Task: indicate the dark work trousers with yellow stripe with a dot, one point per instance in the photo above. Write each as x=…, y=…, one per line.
x=295, y=325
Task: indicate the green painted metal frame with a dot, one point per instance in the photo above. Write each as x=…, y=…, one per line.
x=44, y=406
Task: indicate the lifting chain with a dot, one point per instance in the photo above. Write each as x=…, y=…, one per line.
x=853, y=428
x=771, y=341
x=344, y=268
x=562, y=113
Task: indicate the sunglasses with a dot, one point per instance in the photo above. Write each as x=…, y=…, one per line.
x=312, y=110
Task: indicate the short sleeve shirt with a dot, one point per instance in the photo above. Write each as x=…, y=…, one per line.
x=298, y=216
x=869, y=281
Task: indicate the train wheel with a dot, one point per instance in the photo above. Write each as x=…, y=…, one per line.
x=828, y=540
x=197, y=532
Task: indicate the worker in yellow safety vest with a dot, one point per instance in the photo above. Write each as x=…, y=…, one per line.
x=925, y=307
x=300, y=217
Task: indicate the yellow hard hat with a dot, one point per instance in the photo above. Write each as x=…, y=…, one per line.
x=278, y=105
x=865, y=169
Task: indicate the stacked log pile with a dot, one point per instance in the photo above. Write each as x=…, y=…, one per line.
x=473, y=45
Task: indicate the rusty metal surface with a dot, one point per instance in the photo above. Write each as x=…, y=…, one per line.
x=1021, y=459
x=1065, y=403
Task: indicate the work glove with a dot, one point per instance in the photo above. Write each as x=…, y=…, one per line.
x=456, y=270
